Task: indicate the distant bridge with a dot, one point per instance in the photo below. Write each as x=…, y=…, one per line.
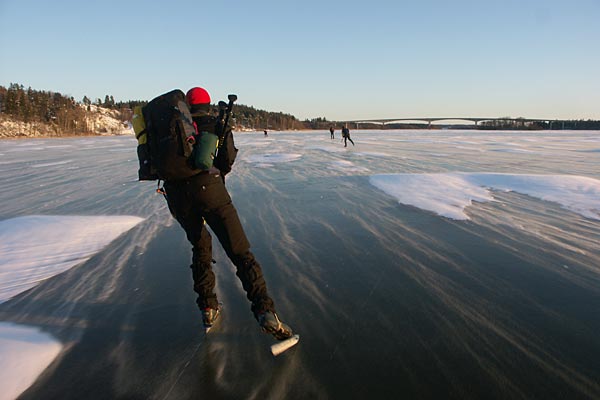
x=475, y=120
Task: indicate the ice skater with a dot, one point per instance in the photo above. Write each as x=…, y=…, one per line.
x=203, y=198
x=346, y=135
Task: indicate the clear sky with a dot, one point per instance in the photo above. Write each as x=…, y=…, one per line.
x=339, y=59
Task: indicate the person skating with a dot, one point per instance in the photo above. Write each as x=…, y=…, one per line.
x=331, y=131
x=346, y=135
x=204, y=198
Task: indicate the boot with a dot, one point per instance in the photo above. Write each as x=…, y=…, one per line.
x=270, y=323
x=209, y=317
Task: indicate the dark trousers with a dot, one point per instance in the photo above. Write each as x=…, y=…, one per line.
x=347, y=138
x=205, y=198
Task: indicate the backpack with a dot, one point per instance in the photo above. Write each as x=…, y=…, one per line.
x=166, y=142
x=174, y=146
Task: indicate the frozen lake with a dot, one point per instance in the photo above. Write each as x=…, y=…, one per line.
x=416, y=264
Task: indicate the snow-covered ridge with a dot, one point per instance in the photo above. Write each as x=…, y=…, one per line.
x=100, y=121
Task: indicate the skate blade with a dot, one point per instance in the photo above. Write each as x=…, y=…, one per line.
x=284, y=345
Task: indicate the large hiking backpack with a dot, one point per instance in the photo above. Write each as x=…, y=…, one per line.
x=173, y=146
x=169, y=131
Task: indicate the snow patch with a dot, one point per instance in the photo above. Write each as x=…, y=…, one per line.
x=270, y=159
x=24, y=354
x=34, y=248
x=448, y=194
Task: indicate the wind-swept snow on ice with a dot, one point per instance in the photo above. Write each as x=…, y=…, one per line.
x=33, y=249
x=448, y=194
x=37, y=247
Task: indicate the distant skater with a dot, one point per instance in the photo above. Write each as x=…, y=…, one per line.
x=266, y=134
x=331, y=130
x=346, y=135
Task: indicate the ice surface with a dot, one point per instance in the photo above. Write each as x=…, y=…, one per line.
x=488, y=282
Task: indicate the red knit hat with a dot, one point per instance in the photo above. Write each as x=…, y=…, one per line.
x=197, y=95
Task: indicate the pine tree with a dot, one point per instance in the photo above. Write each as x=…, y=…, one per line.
x=87, y=102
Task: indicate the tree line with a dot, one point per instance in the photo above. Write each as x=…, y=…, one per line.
x=246, y=117
x=28, y=105
x=63, y=113
x=522, y=124
x=68, y=115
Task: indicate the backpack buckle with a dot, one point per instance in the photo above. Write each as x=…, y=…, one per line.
x=160, y=190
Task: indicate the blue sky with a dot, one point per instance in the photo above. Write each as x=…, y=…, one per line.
x=341, y=60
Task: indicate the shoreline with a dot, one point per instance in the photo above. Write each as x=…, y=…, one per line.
x=244, y=132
